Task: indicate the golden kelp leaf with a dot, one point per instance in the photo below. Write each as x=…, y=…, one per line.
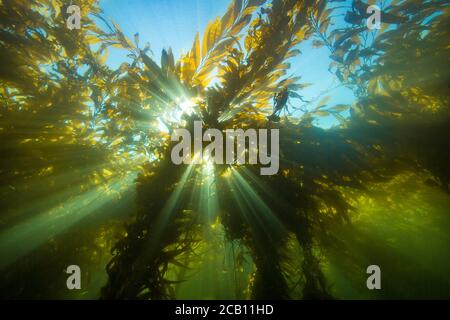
x=92, y=39
x=187, y=68
x=221, y=48
x=213, y=45
x=213, y=61
x=56, y=4
x=340, y=107
x=196, y=56
x=212, y=34
x=321, y=113
x=205, y=46
x=324, y=101
x=126, y=43
x=248, y=42
x=107, y=173
x=104, y=56
x=116, y=142
x=283, y=66
x=232, y=13
x=202, y=76
x=373, y=85
x=244, y=21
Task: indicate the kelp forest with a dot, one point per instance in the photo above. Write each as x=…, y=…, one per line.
x=87, y=178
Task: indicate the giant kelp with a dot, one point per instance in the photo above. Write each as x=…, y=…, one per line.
x=398, y=124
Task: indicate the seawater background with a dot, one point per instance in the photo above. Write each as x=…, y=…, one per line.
x=403, y=228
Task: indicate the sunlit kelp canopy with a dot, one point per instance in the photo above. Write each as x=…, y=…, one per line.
x=86, y=165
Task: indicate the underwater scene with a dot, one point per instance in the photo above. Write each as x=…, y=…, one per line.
x=224, y=149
